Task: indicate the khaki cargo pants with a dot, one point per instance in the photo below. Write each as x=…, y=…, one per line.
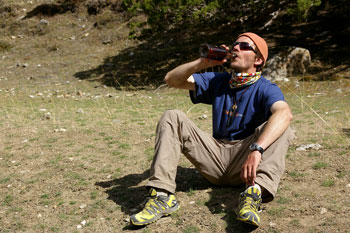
x=218, y=161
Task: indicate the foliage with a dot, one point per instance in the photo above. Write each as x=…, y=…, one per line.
x=5, y=46
x=164, y=14
x=168, y=14
x=302, y=10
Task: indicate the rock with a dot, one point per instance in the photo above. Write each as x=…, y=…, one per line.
x=95, y=6
x=290, y=62
x=80, y=110
x=203, y=117
x=298, y=61
x=347, y=186
x=309, y=146
x=106, y=41
x=44, y=22
x=272, y=224
x=47, y=116
x=62, y=130
x=82, y=206
x=323, y=210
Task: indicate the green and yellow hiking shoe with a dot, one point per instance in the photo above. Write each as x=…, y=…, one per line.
x=155, y=208
x=249, y=206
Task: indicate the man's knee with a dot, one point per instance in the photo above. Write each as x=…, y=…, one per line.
x=172, y=115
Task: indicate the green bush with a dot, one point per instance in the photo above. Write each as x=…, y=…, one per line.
x=168, y=13
x=5, y=46
x=302, y=10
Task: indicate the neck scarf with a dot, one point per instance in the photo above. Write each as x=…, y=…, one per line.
x=243, y=79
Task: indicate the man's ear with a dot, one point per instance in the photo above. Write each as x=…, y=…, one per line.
x=258, y=61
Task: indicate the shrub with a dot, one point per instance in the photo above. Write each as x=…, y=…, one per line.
x=302, y=10
x=5, y=46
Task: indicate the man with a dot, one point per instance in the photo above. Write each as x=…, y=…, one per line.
x=251, y=132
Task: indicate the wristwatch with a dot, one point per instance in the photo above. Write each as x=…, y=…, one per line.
x=254, y=147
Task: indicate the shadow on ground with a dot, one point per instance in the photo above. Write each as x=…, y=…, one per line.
x=146, y=64
x=223, y=200
x=121, y=189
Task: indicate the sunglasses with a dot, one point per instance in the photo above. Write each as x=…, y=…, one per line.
x=243, y=46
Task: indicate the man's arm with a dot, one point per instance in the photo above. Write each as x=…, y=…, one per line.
x=275, y=127
x=181, y=77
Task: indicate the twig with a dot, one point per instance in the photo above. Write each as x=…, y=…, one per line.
x=79, y=33
x=318, y=115
x=163, y=85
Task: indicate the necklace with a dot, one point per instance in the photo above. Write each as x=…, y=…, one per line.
x=233, y=109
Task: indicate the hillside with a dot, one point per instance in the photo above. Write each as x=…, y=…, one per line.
x=100, y=40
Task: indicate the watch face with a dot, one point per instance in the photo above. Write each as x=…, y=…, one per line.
x=254, y=147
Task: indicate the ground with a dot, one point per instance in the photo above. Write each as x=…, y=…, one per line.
x=75, y=152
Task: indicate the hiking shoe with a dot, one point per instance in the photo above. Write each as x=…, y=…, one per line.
x=249, y=206
x=155, y=208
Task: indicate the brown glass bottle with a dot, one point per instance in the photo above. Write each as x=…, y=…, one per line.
x=212, y=52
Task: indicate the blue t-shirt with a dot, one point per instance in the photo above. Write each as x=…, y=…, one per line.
x=253, y=102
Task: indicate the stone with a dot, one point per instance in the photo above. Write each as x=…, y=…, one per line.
x=315, y=146
x=62, y=130
x=287, y=63
x=47, y=116
x=44, y=22
x=323, y=210
x=80, y=110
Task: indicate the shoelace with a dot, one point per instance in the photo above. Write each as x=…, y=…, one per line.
x=152, y=205
x=249, y=200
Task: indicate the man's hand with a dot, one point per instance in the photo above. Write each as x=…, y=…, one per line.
x=248, y=171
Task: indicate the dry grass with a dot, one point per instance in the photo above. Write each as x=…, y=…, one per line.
x=90, y=158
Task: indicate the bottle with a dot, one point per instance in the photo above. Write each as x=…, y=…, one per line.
x=212, y=52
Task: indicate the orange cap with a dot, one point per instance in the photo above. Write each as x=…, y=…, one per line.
x=259, y=42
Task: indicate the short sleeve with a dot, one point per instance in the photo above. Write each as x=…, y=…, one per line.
x=271, y=94
x=202, y=92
